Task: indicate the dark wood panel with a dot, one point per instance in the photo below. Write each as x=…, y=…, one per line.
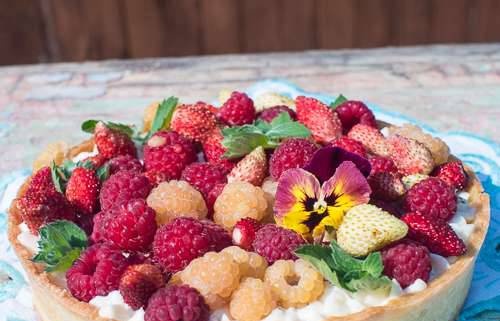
x=484, y=21
x=260, y=27
x=297, y=24
x=219, y=22
x=372, y=26
x=335, y=21
x=410, y=22
x=448, y=21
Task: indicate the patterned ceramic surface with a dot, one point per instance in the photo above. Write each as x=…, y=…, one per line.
x=482, y=155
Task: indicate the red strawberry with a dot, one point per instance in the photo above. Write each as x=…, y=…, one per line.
x=237, y=110
x=194, y=121
x=437, y=235
x=410, y=156
x=323, y=123
x=371, y=138
x=82, y=190
x=111, y=142
x=244, y=233
x=350, y=145
x=386, y=186
x=453, y=174
x=382, y=164
x=139, y=282
x=252, y=168
x=354, y=112
x=214, y=151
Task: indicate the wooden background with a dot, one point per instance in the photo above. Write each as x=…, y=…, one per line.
x=33, y=31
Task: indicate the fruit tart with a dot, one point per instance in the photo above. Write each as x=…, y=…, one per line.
x=277, y=209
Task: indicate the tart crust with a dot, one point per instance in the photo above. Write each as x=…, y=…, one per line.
x=441, y=300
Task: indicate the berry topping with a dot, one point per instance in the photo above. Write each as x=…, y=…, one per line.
x=252, y=301
x=292, y=153
x=212, y=197
x=251, y=264
x=453, y=174
x=214, y=151
x=276, y=243
x=244, y=232
x=406, y=262
x=252, y=168
x=371, y=138
x=433, y=198
x=349, y=145
x=386, y=186
x=381, y=165
x=410, y=156
x=123, y=186
x=354, y=112
x=194, y=121
x=237, y=110
x=323, y=123
x=269, y=114
x=177, y=303
x=139, y=282
x=111, y=142
x=204, y=176
x=96, y=272
x=436, y=235
x=184, y=239
x=124, y=163
x=82, y=190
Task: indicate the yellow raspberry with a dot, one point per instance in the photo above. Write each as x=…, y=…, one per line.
x=271, y=99
x=174, y=199
x=224, y=95
x=149, y=116
x=295, y=283
x=251, y=264
x=252, y=301
x=238, y=200
x=54, y=152
x=215, y=276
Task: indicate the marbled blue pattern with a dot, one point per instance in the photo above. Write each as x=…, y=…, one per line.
x=483, y=302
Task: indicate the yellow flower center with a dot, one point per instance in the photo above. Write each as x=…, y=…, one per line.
x=320, y=206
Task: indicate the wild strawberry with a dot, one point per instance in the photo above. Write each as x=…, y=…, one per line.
x=82, y=190
x=139, y=282
x=349, y=145
x=410, y=156
x=214, y=151
x=371, y=138
x=323, y=123
x=386, y=186
x=252, y=168
x=367, y=228
x=354, y=112
x=244, y=232
x=453, y=174
x=111, y=142
x=437, y=235
x=237, y=110
x=194, y=121
x=381, y=165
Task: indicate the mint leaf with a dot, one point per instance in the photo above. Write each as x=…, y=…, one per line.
x=103, y=172
x=373, y=264
x=57, y=178
x=163, y=115
x=60, y=244
x=88, y=126
x=343, y=261
x=340, y=100
x=242, y=144
x=282, y=128
x=368, y=282
x=319, y=257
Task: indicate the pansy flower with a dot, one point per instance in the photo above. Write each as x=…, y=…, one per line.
x=306, y=206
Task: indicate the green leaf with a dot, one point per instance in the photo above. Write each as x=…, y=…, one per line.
x=373, y=264
x=242, y=144
x=57, y=179
x=281, y=128
x=60, y=244
x=343, y=261
x=163, y=115
x=263, y=126
x=103, y=172
x=319, y=257
x=369, y=282
x=340, y=99
x=88, y=126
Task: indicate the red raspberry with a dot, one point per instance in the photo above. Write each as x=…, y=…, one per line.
x=433, y=198
x=391, y=207
x=212, y=197
x=184, y=239
x=123, y=186
x=276, y=243
x=204, y=176
x=85, y=222
x=382, y=164
x=214, y=150
x=406, y=262
x=175, y=303
x=437, y=235
x=96, y=272
x=453, y=174
x=124, y=163
x=82, y=190
x=269, y=114
x=166, y=154
x=292, y=153
x=42, y=204
x=354, y=112
x=244, y=233
x=111, y=143
x=98, y=229
x=349, y=145
x=237, y=110
x=131, y=225
x=194, y=121
x=138, y=284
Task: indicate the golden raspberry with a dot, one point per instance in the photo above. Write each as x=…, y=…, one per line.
x=54, y=152
x=149, y=116
x=224, y=95
x=251, y=264
x=174, y=199
x=295, y=283
x=438, y=148
x=271, y=99
x=239, y=200
x=215, y=276
x=252, y=301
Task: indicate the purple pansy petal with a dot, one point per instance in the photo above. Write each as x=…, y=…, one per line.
x=348, y=186
x=326, y=160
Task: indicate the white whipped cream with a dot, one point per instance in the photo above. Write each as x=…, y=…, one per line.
x=27, y=239
x=85, y=155
x=112, y=306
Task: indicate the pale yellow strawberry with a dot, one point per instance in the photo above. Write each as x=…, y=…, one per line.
x=410, y=156
x=271, y=99
x=252, y=168
x=410, y=180
x=367, y=228
x=54, y=152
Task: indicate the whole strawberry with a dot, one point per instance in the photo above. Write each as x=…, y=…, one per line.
x=111, y=142
x=436, y=235
x=353, y=112
x=381, y=165
x=42, y=203
x=410, y=156
x=252, y=168
x=139, y=282
x=371, y=138
x=323, y=123
x=194, y=121
x=433, y=198
x=244, y=233
x=349, y=145
x=214, y=150
x=386, y=186
x=204, y=176
x=82, y=190
x=270, y=113
x=237, y=110
x=292, y=153
x=453, y=174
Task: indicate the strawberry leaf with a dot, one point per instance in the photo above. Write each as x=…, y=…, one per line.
x=88, y=126
x=60, y=244
x=57, y=178
x=163, y=115
x=241, y=144
x=103, y=172
x=339, y=101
